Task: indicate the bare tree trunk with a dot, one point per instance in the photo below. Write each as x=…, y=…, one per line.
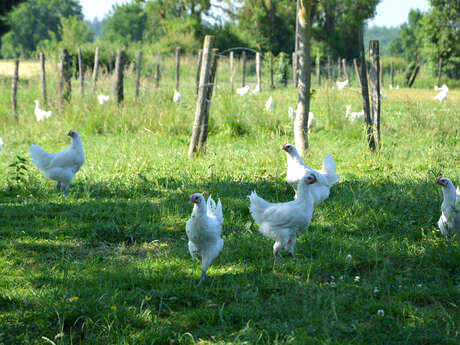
x=305, y=18
x=243, y=78
x=65, y=77
x=231, y=70
x=355, y=64
x=157, y=70
x=14, y=89
x=43, y=77
x=344, y=68
x=96, y=67
x=138, y=74
x=365, y=93
x=339, y=69
x=329, y=71
x=392, y=73
x=318, y=69
x=375, y=88
x=439, y=70
x=258, y=72
x=119, y=67
x=177, y=68
x=272, y=85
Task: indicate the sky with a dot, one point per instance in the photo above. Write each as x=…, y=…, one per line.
x=389, y=12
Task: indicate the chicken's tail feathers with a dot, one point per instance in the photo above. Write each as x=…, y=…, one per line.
x=329, y=170
x=214, y=210
x=257, y=206
x=39, y=157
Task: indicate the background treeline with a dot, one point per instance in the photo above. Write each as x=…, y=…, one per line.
x=31, y=26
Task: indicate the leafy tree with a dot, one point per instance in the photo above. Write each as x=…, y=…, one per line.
x=5, y=7
x=409, y=43
x=96, y=26
x=384, y=35
x=74, y=32
x=32, y=22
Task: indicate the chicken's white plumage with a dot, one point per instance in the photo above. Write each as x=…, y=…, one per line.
x=352, y=115
x=442, y=96
x=256, y=90
x=283, y=222
x=341, y=84
x=1, y=143
x=102, y=98
x=270, y=104
x=62, y=166
x=177, y=97
x=296, y=169
x=242, y=90
x=41, y=114
x=204, y=230
x=449, y=222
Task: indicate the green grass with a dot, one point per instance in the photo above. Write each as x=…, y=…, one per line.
x=108, y=263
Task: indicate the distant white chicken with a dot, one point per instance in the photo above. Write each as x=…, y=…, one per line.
x=283, y=222
x=296, y=169
x=437, y=88
x=177, y=97
x=102, y=98
x=60, y=167
x=397, y=87
x=341, y=84
x=442, y=96
x=256, y=90
x=382, y=95
x=449, y=222
x=390, y=87
x=270, y=104
x=1, y=143
x=41, y=114
x=311, y=118
x=204, y=230
x=352, y=115
x=242, y=90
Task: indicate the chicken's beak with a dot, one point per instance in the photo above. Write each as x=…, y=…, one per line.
x=438, y=181
x=69, y=134
x=284, y=148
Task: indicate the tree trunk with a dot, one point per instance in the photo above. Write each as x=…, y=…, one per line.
x=43, y=77
x=344, y=69
x=177, y=68
x=243, y=77
x=119, y=67
x=374, y=75
x=365, y=93
x=272, y=85
x=355, y=64
x=329, y=71
x=305, y=18
x=157, y=70
x=439, y=71
x=138, y=74
x=231, y=70
x=258, y=72
x=95, y=68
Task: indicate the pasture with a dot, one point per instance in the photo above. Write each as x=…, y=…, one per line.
x=108, y=262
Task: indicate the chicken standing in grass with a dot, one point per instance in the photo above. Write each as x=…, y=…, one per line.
x=1, y=143
x=449, y=222
x=283, y=222
x=177, y=97
x=341, y=84
x=60, y=167
x=242, y=90
x=442, y=96
x=296, y=169
x=102, y=98
x=204, y=230
x=270, y=104
x=41, y=114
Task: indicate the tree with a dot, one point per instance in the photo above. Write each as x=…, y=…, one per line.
x=440, y=34
x=5, y=7
x=32, y=22
x=74, y=32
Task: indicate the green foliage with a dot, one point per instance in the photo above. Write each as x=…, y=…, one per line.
x=33, y=21
x=384, y=35
x=17, y=174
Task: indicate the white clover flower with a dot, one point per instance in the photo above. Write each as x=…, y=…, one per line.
x=376, y=290
x=349, y=257
x=381, y=313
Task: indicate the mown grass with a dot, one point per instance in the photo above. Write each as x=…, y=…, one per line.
x=108, y=263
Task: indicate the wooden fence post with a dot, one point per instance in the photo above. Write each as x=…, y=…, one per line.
x=138, y=73
x=14, y=89
x=318, y=69
x=65, y=76
x=81, y=71
x=339, y=69
x=381, y=73
x=258, y=72
x=329, y=70
x=355, y=64
x=272, y=85
x=439, y=70
x=118, y=86
x=344, y=68
x=363, y=75
x=157, y=70
x=414, y=75
x=198, y=70
x=177, y=68
x=374, y=74
x=43, y=77
x=96, y=67
x=202, y=105
x=231, y=70
x=243, y=82
x=392, y=73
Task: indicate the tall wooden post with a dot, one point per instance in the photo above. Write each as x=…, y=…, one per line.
x=439, y=70
x=365, y=93
x=329, y=71
x=258, y=72
x=65, y=76
x=157, y=70
x=339, y=69
x=96, y=67
x=198, y=70
x=43, y=77
x=119, y=74
x=14, y=89
x=318, y=70
x=201, y=105
x=243, y=82
x=138, y=73
x=355, y=64
x=272, y=85
x=231, y=70
x=177, y=67
x=81, y=72
x=392, y=73
x=344, y=68
x=374, y=74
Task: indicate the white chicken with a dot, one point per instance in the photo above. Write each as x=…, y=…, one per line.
x=177, y=97
x=242, y=90
x=204, y=230
x=41, y=114
x=311, y=118
x=283, y=222
x=442, y=96
x=296, y=169
x=60, y=167
x=1, y=143
x=270, y=104
x=352, y=115
x=449, y=222
x=256, y=90
x=102, y=98
x=341, y=84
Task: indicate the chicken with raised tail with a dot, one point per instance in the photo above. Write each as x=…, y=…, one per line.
x=204, y=230
x=41, y=114
x=177, y=97
x=296, y=169
x=449, y=222
x=62, y=166
x=283, y=222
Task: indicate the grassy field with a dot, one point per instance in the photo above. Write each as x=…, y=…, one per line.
x=108, y=262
